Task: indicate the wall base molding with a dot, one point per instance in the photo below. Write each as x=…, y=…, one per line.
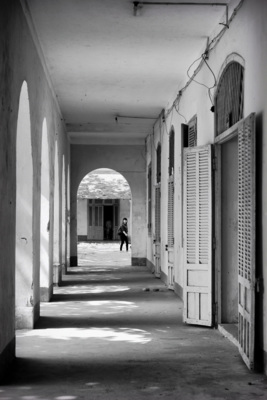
x=178, y=290
x=46, y=294
x=24, y=317
x=138, y=262
x=57, y=274
x=150, y=266
x=164, y=278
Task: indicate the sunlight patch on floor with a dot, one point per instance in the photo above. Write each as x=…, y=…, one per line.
x=114, y=335
x=92, y=289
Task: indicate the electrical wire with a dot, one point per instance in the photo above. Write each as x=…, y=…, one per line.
x=177, y=108
x=209, y=48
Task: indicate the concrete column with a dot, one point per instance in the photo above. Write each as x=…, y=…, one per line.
x=45, y=273
x=24, y=199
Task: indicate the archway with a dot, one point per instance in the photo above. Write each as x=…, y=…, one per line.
x=45, y=270
x=24, y=196
x=103, y=200
x=63, y=215
x=56, y=252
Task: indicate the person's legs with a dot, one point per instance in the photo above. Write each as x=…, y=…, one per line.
x=126, y=241
x=122, y=241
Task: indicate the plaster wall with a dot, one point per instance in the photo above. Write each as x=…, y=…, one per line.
x=246, y=42
x=130, y=162
x=20, y=62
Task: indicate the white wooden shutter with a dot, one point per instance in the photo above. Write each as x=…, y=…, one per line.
x=246, y=238
x=170, y=212
x=157, y=213
x=198, y=236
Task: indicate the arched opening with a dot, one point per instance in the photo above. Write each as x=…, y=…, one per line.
x=229, y=99
x=103, y=200
x=157, y=233
x=63, y=215
x=45, y=270
x=229, y=102
x=170, y=218
x=56, y=252
x=67, y=236
x=24, y=244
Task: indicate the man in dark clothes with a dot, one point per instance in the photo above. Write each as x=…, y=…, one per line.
x=123, y=232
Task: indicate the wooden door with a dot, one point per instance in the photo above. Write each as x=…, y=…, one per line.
x=246, y=239
x=95, y=226
x=170, y=244
x=197, y=176
x=157, y=241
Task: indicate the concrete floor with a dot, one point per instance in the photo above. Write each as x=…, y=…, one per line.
x=114, y=332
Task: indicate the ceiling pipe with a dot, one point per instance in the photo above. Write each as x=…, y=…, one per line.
x=139, y=4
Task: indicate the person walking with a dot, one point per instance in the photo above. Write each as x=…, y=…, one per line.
x=123, y=233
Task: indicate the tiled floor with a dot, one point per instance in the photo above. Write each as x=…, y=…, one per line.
x=114, y=332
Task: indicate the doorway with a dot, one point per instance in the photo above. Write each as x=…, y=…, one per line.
x=108, y=222
x=229, y=235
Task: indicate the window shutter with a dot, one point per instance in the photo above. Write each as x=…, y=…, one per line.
x=171, y=153
x=159, y=163
x=198, y=236
x=149, y=203
x=171, y=212
x=229, y=97
x=157, y=213
x=246, y=238
x=192, y=132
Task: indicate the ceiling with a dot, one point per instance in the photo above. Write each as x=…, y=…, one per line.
x=113, y=72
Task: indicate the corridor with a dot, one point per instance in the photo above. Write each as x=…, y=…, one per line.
x=114, y=332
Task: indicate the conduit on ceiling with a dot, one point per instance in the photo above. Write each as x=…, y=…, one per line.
x=137, y=6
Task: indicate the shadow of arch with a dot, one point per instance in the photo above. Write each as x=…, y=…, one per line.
x=103, y=200
x=24, y=223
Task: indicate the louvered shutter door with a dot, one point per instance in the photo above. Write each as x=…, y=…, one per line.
x=198, y=236
x=246, y=238
x=170, y=212
x=149, y=205
x=157, y=213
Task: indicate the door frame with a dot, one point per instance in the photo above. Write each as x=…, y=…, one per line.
x=218, y=141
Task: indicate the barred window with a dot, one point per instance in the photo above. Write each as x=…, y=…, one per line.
x=229, y=100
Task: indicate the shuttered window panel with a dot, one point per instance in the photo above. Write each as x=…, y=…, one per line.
x=171, y=153
x=159, y=163
x=198, y=203
x=191, y=207
x=192, y=132
x=157, y=213
x=246, y=238
x=197, y=235
x=204, y=204
x=149, y=202
x=171, y=213
x=229, y=98
x=245, y=201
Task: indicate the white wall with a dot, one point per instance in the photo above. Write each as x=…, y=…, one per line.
x=246, y=41
x=20, y=61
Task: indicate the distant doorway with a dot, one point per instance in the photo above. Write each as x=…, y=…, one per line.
x=103, y=200
x=108, y=222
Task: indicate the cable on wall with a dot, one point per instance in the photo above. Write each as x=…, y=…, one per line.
x=203, y=60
